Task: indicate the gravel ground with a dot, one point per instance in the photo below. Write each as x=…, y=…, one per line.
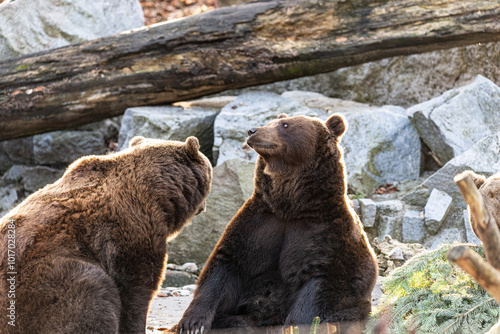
x=167, y=311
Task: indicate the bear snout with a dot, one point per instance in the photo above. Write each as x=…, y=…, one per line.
x=252, y=131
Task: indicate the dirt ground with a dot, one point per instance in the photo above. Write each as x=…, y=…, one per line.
x=167, y=311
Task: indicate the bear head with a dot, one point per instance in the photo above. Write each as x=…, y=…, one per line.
x=289, y=142
x=171, y=179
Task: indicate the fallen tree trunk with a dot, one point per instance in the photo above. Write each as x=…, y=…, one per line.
x=229, y=48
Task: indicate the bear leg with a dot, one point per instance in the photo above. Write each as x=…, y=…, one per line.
x=65, y=295
x=134, y=309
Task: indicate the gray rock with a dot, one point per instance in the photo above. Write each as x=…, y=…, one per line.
x=190, y=267
x=396, y=254
x=8, y=197
x=232, y=185
x=390, y=218
x=435, y=211
x=483, y=158
x=28, y=27
x=64, y=147
x=446, y=236
x=32, y=178
x=413, y=226
x=451, y=123
x=250, y=110
x=356, y=206
x=168, y=122
x=178, y=279
x=190, y=287
x=403, y=80
x=469, y=233
x=16, y=151
x=368, y=210
x=109, y=128
x=381, y=145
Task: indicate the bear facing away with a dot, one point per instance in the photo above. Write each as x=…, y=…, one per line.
x=86, y=253
x=295, y=250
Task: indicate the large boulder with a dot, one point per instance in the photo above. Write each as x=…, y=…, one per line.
x=232, y=185
x=168, y=122
x=8, y=197
x=404, y=80
x=64, y=147
x=483, y=158
x=250, y=110
x=16, y=151
x=453, y=122
x=32, y=178
x=381, y=146
x=30, y=26
x=58, y=147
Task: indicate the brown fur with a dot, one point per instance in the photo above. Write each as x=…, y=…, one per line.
x=490, y=190
x=90, y=249
x=295, y=250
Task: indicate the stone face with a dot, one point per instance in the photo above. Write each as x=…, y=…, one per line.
x=447, y=236
x=251, y=110
x=32, y=178
x=436, y=209
x=16, y=151
x=413, y=226
x=178, y=279
x=389, y=218
x=483, y=158
x=368, y=210
x=31, y=26
x=453, y=122
x=381, y=145
x=232, y=185
x=469, y=233
x=403, y=80
x=170, y=123
x=64, y=147
x=8, y=196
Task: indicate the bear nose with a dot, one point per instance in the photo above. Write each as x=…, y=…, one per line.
x=252, y=131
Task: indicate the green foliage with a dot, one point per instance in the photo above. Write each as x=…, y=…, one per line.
x=357, y=196
x=315, y=325
x=431, y=295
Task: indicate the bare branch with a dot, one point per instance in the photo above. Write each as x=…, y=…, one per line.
x=486, y=226
x=487, y=276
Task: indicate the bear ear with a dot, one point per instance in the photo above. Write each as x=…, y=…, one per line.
x=282, y=116
x=337, y=124
x=137, y=140
x=478, y=179
x=192, y=146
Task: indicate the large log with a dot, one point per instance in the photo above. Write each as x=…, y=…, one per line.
x=224, y=49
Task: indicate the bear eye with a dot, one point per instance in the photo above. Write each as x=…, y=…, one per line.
x=285, y=125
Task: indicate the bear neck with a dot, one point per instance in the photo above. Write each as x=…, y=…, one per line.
x=304, y=191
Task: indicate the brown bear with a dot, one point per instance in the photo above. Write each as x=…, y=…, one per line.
x=295, y=250
x=87, y=253
x=490, y=190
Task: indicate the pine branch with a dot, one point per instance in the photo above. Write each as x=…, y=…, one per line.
x=487, y=276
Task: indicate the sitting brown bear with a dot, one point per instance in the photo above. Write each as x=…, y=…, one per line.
x=296, y=249
x=87, y=253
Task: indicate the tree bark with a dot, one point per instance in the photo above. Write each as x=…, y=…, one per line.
x=486, y=226
x=228, y=48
